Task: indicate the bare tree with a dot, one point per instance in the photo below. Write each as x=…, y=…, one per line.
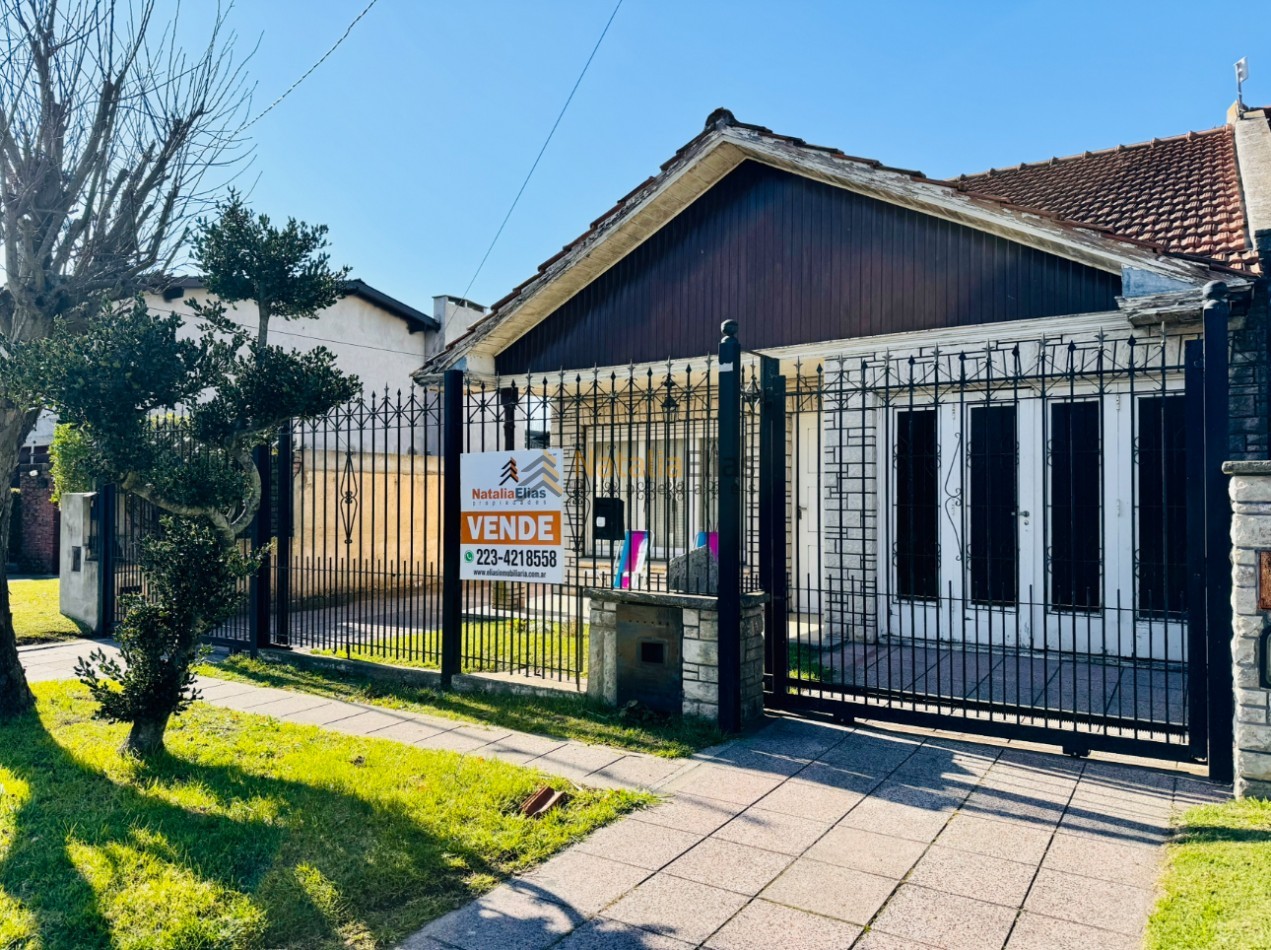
x=109, y=129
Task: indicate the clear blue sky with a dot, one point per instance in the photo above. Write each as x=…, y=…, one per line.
x=412, y=139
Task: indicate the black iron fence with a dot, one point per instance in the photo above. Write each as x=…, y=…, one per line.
x=1007, y=539
x=996, y=537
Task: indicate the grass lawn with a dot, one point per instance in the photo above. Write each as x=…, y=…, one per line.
x=1216, y=891
x=568, y=716
x=251, y=833
x=36, y=617
x=489, y=646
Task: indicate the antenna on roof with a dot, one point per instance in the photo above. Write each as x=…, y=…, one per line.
x=1242, y=73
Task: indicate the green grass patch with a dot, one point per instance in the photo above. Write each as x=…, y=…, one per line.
x=490, y=646
x=568, y=716
x=37, y=617
x=251, y=833
x=1214, y=893
x=805, y=664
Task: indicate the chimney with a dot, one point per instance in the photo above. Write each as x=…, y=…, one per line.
x=455, y=315
x=1253, y=156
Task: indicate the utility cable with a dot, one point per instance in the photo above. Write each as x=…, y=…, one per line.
x=546, y=142
x=309, y=72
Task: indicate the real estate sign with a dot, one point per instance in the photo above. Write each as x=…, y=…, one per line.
x=512, y=526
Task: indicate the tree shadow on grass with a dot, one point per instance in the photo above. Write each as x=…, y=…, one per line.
x=222, y=856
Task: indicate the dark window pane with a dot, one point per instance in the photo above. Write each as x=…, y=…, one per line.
x=917, y=507
x=1162, y=554
x=1075, y=509
x=994, y=468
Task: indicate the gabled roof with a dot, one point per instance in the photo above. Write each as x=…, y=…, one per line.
x=723, y=145
x=1181, y=193
x=416, y=320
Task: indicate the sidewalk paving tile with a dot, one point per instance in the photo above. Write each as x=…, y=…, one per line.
x=365, y=723
x=519, y=748
x=635, y=842
x=575, y=761
x=773, y=831
x=995, y=880
x=734, y=867
x=877, y=940
x=996, y=839
x=638, y=771
x=897, y=819
x=281, y=708
x=1087, y=900
x=944, y=920
x=762, y=925
x=1034, y=932
x=830, y=891
x=682, y=909
x=1123, y=862
x=805, y=797
x=739, y=786
x=585, y=882
x=408, y=732
x=506, y=918
x=323, y=715
x=463, y=739
x=605, y=934
x=691, y=813
x=862, y=850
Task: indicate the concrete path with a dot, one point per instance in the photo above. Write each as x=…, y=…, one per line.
x=585, y=764
x=806, y=835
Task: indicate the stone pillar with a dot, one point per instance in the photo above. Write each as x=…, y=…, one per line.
x=698, y=654
x=1250, y=490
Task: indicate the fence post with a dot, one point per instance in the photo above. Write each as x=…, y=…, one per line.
x=1218, y=536
x=258, y=617
x=772, y=520
x=1197, y=642
x=282, y=574
x=106, y=528
x=729, y=592
x=451, y=588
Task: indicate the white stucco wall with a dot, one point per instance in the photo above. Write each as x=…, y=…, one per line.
x=371, y=343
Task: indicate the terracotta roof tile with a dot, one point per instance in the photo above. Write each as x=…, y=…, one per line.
x=1182, y=193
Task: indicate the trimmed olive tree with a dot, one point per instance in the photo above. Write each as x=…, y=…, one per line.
x=173, y=418
x=111, y=139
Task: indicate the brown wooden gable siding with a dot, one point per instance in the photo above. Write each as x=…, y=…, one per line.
x=798, y=261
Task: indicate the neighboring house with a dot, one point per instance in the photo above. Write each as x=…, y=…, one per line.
x=378, y=338
x=986, y=426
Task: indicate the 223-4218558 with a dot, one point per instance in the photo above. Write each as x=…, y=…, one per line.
x=514, y=557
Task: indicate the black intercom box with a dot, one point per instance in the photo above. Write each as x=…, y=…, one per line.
x=607, y=522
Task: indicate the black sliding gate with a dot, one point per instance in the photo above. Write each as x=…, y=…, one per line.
x=1009, y=540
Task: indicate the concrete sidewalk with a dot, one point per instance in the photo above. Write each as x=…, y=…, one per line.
x=585, y=764
x=804, y=835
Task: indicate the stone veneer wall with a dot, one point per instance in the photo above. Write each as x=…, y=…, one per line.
x=1250, y=490
x=699, y=619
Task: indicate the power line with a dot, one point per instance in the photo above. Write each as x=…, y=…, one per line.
x=546, y=142
x=310, y=70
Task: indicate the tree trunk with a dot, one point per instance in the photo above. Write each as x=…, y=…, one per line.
x=15, y=695
x=146, y=737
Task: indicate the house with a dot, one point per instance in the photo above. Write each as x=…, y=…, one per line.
x=373, y=335
x=987, y=388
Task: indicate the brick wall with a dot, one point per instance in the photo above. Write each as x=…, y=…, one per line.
x=37, y=553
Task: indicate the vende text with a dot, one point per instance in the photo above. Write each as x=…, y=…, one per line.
x=512, y=527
